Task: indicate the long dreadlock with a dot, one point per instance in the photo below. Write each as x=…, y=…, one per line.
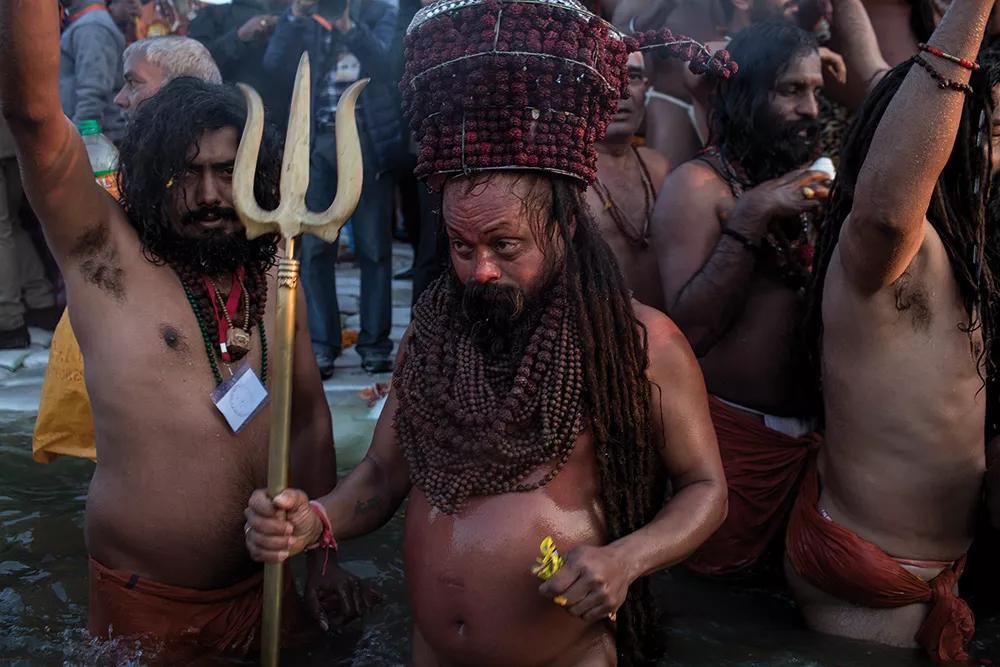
x=617, y=391
x=618, y=402
x=958, y=210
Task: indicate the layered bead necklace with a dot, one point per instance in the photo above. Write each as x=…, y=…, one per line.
x=231, y=343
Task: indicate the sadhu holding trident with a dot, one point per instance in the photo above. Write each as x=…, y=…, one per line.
x=158, y=283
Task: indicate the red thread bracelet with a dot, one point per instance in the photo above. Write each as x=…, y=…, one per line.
x=961, y=62
x=326, y=540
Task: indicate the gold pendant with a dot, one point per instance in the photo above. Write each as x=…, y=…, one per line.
x=238, y=341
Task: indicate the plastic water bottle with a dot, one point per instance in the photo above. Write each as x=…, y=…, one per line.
x=103, y=155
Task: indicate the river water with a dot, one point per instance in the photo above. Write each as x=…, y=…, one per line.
x=43, y=589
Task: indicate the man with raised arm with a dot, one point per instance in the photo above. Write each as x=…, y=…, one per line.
x=533, y=397
x=906, y=308
x=158, y=286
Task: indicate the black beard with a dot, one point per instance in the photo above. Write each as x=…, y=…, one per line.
x=214, y=252
x=500, y=318
x=774, y=153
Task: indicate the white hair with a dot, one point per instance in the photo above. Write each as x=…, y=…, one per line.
x=176, y=56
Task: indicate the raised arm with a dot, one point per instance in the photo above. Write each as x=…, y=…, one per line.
x=854, y=38
x=54, y=165
x=911, y=146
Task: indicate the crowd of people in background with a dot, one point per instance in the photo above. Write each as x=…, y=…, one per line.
x=114, y=55
x=766, y=207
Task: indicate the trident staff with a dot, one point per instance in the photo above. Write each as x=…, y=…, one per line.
x=291, y=219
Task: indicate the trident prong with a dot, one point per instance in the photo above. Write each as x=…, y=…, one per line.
x=293, y=217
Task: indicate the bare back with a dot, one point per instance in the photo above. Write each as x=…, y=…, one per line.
x=904, y=457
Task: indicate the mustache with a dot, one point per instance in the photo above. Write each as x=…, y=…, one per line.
x=203, y=213
x=811, y=126
x=491, y=302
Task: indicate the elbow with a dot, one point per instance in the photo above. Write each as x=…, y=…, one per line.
x=23, y=117
x=720, y=505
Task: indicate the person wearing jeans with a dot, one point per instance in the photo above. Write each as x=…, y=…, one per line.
x=373, y=246
x=342, y=49
x=22, y=275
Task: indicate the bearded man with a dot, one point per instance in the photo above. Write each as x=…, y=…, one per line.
x=64, y=425
x=677, y=116
x=905, y=319
x=734, y=252
x=158, y=286
x=624, y=193
x=533, y=398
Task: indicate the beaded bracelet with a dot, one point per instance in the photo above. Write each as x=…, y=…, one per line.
x=942, y=81
x=961, y=62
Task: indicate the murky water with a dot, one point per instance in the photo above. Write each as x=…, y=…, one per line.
x=43, y=588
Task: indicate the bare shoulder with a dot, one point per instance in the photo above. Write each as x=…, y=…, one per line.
x=657, y=165
x=669, y=350
x=696, y=178
x=689, y=192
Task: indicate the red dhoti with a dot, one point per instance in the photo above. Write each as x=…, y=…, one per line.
x=838, y=562
x=763, y=471
x=186, y=621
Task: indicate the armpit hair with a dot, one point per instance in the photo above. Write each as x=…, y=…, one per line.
x=99, y=261
x=913, y=298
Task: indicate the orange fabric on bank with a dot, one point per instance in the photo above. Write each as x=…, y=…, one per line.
x=763, y=471
x=188, y=622
x=64, y=425
x=838, y=562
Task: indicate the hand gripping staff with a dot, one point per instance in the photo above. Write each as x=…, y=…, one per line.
x=291, y=219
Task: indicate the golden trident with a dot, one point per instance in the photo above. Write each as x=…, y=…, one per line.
x=291, y=219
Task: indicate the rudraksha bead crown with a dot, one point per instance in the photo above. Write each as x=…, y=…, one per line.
x=522, y=84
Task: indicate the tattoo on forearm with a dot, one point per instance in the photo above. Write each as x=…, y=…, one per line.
x=363, y=507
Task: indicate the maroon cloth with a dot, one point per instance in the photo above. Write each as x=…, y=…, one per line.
x=187, y=622
x=837, y=561
x=763, y=470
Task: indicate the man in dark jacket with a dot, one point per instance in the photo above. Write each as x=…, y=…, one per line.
x=347, y=43
x=237, y=35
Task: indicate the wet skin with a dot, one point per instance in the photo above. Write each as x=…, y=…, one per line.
x=740, y=318
x=474, y=599
x=164, y=452
x=903, y=460
x=170, y=483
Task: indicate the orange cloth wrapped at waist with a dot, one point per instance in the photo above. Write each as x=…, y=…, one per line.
x=838, y=562
x=187, y=621
x=763, y=471
x=64, y=425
